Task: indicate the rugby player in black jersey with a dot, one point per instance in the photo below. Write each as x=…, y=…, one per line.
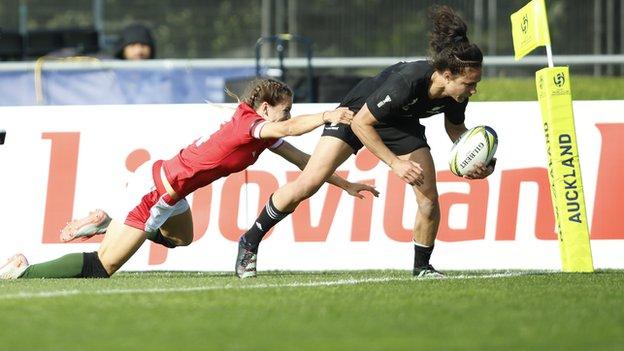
x=388, y=110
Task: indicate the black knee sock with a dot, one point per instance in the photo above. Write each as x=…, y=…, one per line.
x=267, y=219
x=422, y=255
x=158, y=238
x=92, y=266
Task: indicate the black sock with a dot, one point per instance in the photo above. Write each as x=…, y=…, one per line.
x=422, y=255
x=158, y=238
x=92, y=266
x=267, y=219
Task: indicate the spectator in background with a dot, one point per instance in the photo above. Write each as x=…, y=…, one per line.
x=136, y=43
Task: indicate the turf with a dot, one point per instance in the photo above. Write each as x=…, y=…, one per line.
x=363, y=310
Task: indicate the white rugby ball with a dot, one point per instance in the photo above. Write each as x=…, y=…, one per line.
x=473, y=146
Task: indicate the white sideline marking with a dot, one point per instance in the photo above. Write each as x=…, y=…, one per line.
x=74, y=292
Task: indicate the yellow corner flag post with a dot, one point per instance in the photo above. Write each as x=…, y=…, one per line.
x=530, y=30
x=564, y=169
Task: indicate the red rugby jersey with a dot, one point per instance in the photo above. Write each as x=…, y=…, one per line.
x=229, y=150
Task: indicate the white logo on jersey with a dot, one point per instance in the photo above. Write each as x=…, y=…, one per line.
x=259, y=226
x=406, y=107
x=383, y=102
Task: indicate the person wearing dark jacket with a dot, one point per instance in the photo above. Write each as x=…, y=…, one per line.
x=135, y=43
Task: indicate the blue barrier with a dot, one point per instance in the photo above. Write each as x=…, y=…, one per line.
x=121, y=85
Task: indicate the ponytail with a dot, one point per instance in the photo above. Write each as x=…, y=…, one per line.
x=449, y=46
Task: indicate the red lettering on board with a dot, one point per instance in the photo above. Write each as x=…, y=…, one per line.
x=303, y=229
x=607, y=218
x=230, y=199
x=61, y=183
x=508, y=204
x=393, y=210
x=362, y=215
x=476, y=199
x=605, y=222
x=363, y=208
x=137, y=158
x=365, y=160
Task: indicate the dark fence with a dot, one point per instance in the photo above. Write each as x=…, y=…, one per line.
x=339, y=28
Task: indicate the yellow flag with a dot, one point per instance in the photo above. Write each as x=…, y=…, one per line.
x=529, y=28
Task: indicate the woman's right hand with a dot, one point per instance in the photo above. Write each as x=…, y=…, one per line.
x=339, y=115
x=409, y=171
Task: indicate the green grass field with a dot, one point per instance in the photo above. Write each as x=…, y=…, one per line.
x=523, y=89
x=369, y=310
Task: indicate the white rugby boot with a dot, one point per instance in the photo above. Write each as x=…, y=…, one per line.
x=14, y=267
x=427, y=272
x=96, y=222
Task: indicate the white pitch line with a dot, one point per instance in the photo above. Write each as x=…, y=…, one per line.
x=74, y=292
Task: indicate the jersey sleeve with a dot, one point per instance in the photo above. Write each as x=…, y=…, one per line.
x=277, y=143
x=256, y=127
x=388, y=100
x=254, y=132
x=456, y=113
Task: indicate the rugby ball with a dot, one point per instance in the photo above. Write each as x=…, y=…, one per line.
x=473, y=146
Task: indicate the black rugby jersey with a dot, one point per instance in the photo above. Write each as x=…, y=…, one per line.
x=401, y=91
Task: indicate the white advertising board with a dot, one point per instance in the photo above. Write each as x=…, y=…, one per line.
x=60, y=162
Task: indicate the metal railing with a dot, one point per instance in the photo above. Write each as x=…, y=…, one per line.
x=318, y=62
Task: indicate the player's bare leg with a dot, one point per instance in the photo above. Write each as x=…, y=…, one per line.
x=427, y=215
x=119, y=244
x=179, y=229
x=329, y=153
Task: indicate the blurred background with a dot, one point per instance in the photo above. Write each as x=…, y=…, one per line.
x=200, y=46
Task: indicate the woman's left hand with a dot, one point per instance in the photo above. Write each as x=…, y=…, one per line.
x=482, y=171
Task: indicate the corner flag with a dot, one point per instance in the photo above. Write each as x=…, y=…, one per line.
x=529, y=28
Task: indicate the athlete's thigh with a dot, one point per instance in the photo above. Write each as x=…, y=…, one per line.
x=330, y=152
x=120, y=243
x=179, y=226
x=423, y=157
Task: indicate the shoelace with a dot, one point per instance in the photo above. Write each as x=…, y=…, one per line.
x=248, y=257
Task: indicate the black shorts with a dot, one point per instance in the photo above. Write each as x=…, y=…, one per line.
x=400, y=140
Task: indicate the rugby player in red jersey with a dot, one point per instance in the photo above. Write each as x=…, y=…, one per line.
x=156, y=208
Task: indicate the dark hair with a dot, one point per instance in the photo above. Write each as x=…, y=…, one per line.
x=448, y=42
x=135, y=33
x=264, y=89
